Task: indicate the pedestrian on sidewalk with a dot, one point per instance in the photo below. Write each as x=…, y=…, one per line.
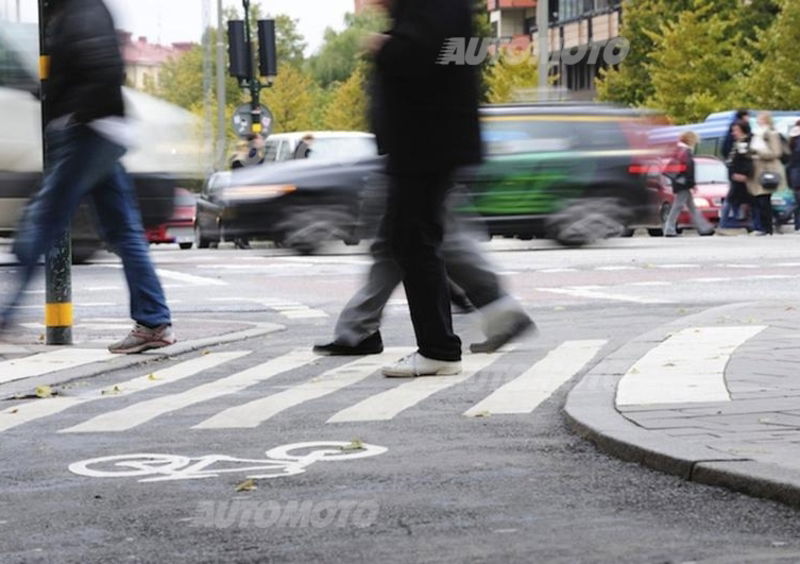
x=357, y=330
x=740, y=168
x=86, y=135
x=681, y=171
x=768, y=172
x=793, y=171
x=417, y=104
x=742, y=115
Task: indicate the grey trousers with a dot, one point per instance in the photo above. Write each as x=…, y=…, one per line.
x=467, y=267
x=685, y=198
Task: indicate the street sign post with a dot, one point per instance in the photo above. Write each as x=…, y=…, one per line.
x=243, y=120
x=58, y=259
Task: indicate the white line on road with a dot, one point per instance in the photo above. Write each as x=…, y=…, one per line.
x=592, y=294
x=252, y=414
x=675, y=266
x=142, y=412
x=45, y=363
x=557, y=270
x=616, y=268
x=652, y=284
x=386, y=405
x=688, y=367
x=189, y=278
x=534, y=386
x=26, y=412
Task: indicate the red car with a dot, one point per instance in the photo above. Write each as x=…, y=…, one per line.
x=713, y=184
x=180, y=227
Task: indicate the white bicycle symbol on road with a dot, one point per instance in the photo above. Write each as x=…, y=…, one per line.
x=282, y=461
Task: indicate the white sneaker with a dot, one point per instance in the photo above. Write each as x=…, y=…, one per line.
x=417, y=365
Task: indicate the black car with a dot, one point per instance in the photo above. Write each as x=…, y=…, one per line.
x=573, y=173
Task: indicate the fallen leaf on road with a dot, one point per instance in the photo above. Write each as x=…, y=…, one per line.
x=669, y=364
x=152, y=377
x=14, y=411
x=204, y=353
x=483, y=414
x=247, y=486
x=355, y=444
x=112, y=391
x=559, y=308
x=41, y=338
x=43, y=392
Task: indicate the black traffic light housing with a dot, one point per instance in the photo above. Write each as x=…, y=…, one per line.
x=267, y=55
x=239, y=51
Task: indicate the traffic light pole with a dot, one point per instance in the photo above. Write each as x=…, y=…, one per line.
x=254, y=85
x=58, y=260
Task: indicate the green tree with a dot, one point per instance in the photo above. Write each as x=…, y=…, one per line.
x=696, y=62
x=774, y=65
x=292, y=99
x=341, y=50
x=347, y=107
x=509, y=76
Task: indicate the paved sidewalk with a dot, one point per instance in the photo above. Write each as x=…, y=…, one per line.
x=713, y=397
x=26, y=363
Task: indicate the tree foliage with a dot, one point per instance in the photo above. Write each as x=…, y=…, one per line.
x=347, y=108
x=509, y=76
x=291, y=99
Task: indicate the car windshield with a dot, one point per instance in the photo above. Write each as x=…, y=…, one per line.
x=711, y=173
x=533, y=134
x=343, y=148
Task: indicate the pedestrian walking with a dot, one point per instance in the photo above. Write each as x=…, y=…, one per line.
x=357, y=330
x=86, y=135
x=732, y=214
x=793, y=171
x=740, y=163
x=727, y=144
x=681, y=171
x=417, y=104
x=769, y=174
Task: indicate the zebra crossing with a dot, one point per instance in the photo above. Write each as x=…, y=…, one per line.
x=159, y=394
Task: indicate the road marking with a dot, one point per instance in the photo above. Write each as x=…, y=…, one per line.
x=189, y=278
x=768, y=277
x=26, y=412
x=744, y=266
x=688, y=367
x=616, y=268
x=709, y=280
x=287, y=308
x=650, y=284
x=589, y=292
x=45, y=363
x=142, y=412
x=788, y=264
x=526, y=392
x=557, y=270
x=388, y=404
x=675, y=266
x=254, y=413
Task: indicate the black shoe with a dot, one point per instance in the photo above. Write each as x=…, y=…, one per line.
x=522, y=325
x=371, y=345
x=461, y=303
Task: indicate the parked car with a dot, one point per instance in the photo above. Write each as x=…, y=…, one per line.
x=326, y=145
x=167, y=153
x=573, y=173
x=713, y=185
x=180, y=227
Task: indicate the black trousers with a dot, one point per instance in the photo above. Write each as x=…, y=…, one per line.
x=413, y=226
x=763, y=207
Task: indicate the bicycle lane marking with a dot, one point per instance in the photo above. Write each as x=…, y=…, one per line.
x=278, y=462
x=254, y=413
x=142, y=412
x=31, y=411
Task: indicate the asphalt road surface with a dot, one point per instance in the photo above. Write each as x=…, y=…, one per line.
x=143, y=464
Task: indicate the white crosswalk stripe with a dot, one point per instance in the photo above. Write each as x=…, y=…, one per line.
x=688, y=367
x=46, y=363
x=26, y=412
x=388, y=404
x=535, y=385
x=142, y=412
x=256, y=412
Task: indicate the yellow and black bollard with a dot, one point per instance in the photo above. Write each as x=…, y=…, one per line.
x=58, y=260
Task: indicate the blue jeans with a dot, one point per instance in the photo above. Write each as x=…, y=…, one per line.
x=85, y=164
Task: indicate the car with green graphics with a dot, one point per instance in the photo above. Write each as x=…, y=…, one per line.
x=573, y=173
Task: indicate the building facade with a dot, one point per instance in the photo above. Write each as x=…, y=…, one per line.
x=578, y=34
x=144, y=60
x=362, y=5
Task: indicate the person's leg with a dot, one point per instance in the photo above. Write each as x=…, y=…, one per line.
x=413, y=226
x=701, y=224
x=755, y=214
x=121, y=224
x=768, y=216
x=361, y=317
x=726, y=215
x=670, y=226
x=78, y=160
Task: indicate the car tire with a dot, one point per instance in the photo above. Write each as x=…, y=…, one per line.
x=200, y=241
x=185, y=246
x=588, y=220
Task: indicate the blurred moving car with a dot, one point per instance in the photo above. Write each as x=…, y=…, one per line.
x=573, y=173
x=180, y=227
x=713, y=185
x=167, y=154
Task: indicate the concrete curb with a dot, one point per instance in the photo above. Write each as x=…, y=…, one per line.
x=591, y=413
x=127, y=361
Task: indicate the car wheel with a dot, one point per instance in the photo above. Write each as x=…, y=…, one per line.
x=628, y=232
x=306, y=230
x=200, y=241
x=588, y=220
x=185, y=246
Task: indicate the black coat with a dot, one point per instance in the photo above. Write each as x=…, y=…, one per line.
x=425, y=115
x=86, y=67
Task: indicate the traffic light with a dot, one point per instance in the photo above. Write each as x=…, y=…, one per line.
x=239, y=51
x=267, y=56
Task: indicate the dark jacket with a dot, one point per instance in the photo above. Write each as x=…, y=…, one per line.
x=793, y=166
x=425, y=115
x=682, y=163
x=86, y=67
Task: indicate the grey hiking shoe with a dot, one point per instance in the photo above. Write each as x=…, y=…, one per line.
x=143, y=338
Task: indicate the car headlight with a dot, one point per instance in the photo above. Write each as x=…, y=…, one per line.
x=702, y=203
x=258, y=192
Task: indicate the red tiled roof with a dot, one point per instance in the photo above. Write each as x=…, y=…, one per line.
x=141, y=52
